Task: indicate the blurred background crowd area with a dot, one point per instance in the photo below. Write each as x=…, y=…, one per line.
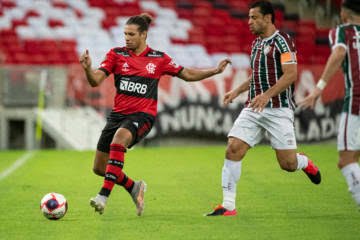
x=194, y=32
x=41, y=40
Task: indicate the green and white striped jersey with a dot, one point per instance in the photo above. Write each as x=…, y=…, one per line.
x=267, y=56
x=348, y=37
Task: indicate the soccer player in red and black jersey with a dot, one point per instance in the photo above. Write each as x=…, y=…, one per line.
x=345, y=43
x=269, y=108
x=137, y=70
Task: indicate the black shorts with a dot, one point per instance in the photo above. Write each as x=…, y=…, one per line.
x=139, y=124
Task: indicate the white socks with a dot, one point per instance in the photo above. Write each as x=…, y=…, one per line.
x=231, y=172
x=302, y=161
x=351, y=173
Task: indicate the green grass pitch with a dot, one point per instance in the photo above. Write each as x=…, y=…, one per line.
x=183, y=184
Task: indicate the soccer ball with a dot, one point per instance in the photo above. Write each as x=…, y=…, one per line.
x=53, y=206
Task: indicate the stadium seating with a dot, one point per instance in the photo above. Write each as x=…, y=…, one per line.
x=55, y=32
x=195, y=33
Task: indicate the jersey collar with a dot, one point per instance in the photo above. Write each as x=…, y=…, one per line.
x=270, y=37
x=142, y=54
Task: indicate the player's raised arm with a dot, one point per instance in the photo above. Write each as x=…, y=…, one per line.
x=191, y=75
x=94, y=77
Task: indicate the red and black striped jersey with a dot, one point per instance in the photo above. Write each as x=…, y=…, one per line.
x=137, y=77
x=348, y=37
x=267, y=56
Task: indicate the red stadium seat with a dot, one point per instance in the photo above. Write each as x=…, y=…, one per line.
x=219, y=26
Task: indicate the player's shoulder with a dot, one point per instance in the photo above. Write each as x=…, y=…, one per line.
x=284, y=41
x=344, y=25
x=152, y=53
x=282, y=36
x=343, y=28
x=120, y=51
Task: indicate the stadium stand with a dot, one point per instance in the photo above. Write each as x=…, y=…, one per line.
x=55, y=32
x=196, y=33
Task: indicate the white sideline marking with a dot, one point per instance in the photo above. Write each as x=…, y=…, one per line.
x=18, y=163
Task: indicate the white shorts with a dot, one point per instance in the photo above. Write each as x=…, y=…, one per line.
x=349, y=132
x=251, y=126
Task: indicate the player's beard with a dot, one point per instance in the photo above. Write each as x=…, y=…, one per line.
x=255, y=31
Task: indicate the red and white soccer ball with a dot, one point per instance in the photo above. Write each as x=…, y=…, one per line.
x=53, y=206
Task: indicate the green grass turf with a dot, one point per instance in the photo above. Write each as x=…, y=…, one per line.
x=183, y=184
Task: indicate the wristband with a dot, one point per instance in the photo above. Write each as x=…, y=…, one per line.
x=321, y=84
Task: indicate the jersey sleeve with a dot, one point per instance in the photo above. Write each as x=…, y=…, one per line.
x=170, y=67
x=339, y=38
x=108, y=64
x=332, y=35
x=287, y=50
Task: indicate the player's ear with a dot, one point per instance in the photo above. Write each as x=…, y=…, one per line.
x=143, y=34
x=268, y=18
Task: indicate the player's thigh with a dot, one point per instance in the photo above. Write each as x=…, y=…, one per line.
x=100, y=162
x=139, y=125
x=123, y=136
x=279, y=123
x=349, y=133
x=107, y=134
x=247, y=128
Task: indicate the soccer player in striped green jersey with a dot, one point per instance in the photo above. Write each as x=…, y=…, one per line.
x=269, y=108
x=345, y=41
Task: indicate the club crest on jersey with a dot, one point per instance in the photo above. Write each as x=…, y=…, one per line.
x=150, y=67
x=125, y=67
x=267, y=49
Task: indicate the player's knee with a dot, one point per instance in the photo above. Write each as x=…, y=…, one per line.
x=234, y=152
x=98, y=171
x=288, y=166
x=343, y=162
x=346, y=158
x=340, y=164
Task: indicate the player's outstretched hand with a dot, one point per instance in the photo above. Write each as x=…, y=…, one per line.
x=85, y=60
x=222, y=65
x=310, y=100
x=229, y=97
x=259, y=102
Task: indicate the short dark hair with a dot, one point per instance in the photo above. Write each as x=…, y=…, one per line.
x=353, y=5
x=265, y=8
x=143, y=21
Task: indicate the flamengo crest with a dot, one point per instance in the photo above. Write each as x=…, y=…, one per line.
x=150, y=67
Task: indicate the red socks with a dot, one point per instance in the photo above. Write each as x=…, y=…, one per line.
x=114, y=173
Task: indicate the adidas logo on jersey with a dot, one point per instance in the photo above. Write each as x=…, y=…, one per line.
x=133, y=87
x=125, y=67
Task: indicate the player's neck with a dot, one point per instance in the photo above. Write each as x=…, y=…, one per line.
x=140, y=49
x=269, y=31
